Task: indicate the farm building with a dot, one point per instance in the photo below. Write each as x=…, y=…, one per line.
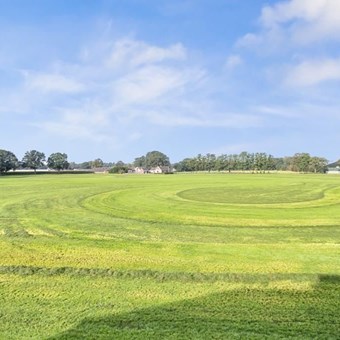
x=139, y=170
x=160, y=170
x=334, y=168
x=155, y=170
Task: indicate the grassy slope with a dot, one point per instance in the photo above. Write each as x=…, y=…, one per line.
x=152, y=256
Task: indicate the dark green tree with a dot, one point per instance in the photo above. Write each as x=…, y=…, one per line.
x=156, y=158
x=8, y=161
x=85, y=165
x=97, y=163
x=139, y=162
x=260, y=161
x=210, y=162
x=33, y=160
x=270, y=164
x=119, y=168
x=318, y=164
x=301, y=162
x=57, y=161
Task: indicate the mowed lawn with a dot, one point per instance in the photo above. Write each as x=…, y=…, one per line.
x=184, y=256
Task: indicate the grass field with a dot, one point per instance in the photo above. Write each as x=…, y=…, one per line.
x=199, y=256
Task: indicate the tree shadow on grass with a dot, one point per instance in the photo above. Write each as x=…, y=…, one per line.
x=242, y=314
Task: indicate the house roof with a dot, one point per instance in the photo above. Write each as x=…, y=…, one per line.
x=334, y=165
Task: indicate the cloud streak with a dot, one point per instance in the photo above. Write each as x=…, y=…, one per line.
x=51, y=83
x=313, y=72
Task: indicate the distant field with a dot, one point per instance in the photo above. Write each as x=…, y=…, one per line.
x=170, y=256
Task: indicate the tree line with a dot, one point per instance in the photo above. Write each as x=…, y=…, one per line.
x=32, y=160
x=255, y=162
x=244, y=161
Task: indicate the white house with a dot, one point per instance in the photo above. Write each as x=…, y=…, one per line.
x=139, y=170
x=160, y=170
x=334, y=168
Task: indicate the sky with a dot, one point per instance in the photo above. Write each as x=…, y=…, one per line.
x=115, y=79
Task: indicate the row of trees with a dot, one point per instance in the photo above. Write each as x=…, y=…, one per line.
x=245, y=161
x=256, y=162
x=32, y=160
x=95, y=164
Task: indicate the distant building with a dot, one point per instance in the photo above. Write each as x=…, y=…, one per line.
x=334, y=168
x=161, y=170
x=102, y=170
x=155, y=170
x=140, y=170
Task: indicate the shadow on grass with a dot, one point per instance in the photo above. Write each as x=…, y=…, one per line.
x=328, y=278
x=161, y=276
x=243, y=313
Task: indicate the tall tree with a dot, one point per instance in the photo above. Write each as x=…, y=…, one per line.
x=139, y=162
x=301, y=162
x=33, y=160
x=260, y=161
x=210, y=162
x=97, y=163
x=156, y=158
x=318, y=164
x=8, y=161
x=58, y=161
x=119, y=168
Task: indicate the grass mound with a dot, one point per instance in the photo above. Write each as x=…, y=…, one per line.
x=257, y=195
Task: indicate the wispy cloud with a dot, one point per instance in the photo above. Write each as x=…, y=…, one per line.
x=294, y=23
x=137, y=53
x=276, y=111
x=49, y=82
x=313, y=72
x=233, y=61
x=131, y=82
x=304, y=21
x=206, y=119
x=151, y=82
x=294, y=43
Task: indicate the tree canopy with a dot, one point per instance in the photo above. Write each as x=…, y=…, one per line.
x=33, y=160
x=8, y=161
x=58, y=161
x=152, y=159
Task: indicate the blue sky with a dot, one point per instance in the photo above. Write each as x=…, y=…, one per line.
x=115, y=79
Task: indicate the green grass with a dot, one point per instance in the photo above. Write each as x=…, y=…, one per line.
x=183, y=256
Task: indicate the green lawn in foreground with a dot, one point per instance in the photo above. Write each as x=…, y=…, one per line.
x=181, y=256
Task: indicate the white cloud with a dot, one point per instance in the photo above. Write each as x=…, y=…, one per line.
x=294, y=9
x=249, y=40
x=300, y=34
x=47, y=82
x=152, y=82
x=87, y=122
x=308, y=21
x=137, y=53
x=313, y=72
x=233, y=61
x=296, y=22
x=205, y=119
x=126, y=86
x=285, y=112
